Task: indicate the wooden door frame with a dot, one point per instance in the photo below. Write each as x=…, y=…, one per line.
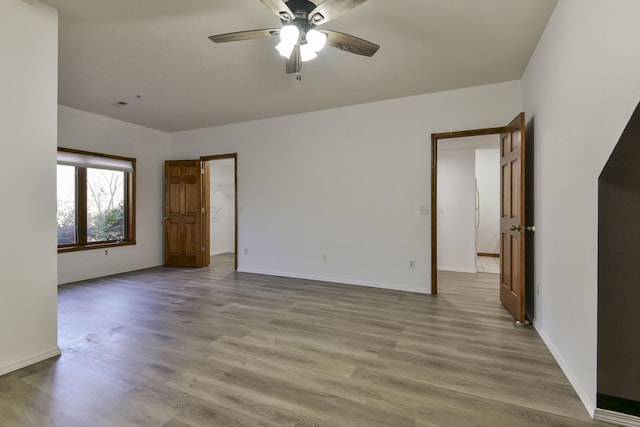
x=435, y=138
x=233, y=156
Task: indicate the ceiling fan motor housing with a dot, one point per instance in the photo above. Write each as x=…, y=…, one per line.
x=301, y=9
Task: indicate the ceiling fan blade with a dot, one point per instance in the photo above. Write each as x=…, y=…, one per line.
x=331, y=9
x=244, y=35
x=280, y=8
x=294, y=64
x=350, y=43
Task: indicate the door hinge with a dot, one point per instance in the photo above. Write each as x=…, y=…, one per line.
x=203, y=210
x=203, y=249
x=202, y=171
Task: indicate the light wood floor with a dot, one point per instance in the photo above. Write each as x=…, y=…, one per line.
x=212, y=347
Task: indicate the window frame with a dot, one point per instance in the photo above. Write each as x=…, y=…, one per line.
x=129, y=185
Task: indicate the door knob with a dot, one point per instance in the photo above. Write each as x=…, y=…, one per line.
x=523, y=228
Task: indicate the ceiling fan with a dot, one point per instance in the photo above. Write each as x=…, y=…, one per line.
x=299, y=39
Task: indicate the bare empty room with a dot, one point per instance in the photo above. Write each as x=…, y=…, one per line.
x=320, y=305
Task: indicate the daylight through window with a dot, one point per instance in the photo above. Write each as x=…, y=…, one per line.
x=95, y=200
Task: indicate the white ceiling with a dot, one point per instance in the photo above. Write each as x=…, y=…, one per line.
x=114, y=50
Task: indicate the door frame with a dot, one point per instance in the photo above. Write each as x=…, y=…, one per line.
x=233, y=156
x=435, y=138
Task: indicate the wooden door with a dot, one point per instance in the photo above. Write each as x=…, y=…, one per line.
x=185, y=213
x=512, y=218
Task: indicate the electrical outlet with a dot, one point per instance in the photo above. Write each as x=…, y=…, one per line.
x=246, y=251
x=412, y=264
x=106, y=253
x=325, y=258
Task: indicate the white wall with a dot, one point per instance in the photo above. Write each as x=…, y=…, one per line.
x=456, y=210
x=222, y=207
x=346, y=182
x=582, y=85
x=488, y=176
x=91, y=132
x=29, y=87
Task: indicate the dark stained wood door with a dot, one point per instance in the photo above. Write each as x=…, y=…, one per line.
x=185, y=214
x=512, y=217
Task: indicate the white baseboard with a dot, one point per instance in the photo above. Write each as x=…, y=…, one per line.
x=585, y=398
x=230, y=251
x=458, y=270
x=38, y=357
x=616, y=418
x=334, y=280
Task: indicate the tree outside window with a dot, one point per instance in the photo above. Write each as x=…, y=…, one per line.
x=105, y=205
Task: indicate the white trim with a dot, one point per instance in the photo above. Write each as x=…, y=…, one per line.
x=332, y=280
x=585, y=397
x=223, y=252
x=616, y=418
x=35, y=358
x=458, y=270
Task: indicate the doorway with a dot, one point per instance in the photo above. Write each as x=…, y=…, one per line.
x=223, y=217
x=436, y=140
x=187, y=210
x=469, y=205
x=515, y=203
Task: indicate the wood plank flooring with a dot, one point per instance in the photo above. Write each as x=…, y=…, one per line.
x=212, y=347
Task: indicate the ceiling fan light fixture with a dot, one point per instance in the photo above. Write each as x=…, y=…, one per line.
x=289, y=34
x=300, y=41
x=316, y=39
x=285, y=49
x=307, y=53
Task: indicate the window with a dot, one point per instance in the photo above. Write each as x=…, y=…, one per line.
x=96, y=200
